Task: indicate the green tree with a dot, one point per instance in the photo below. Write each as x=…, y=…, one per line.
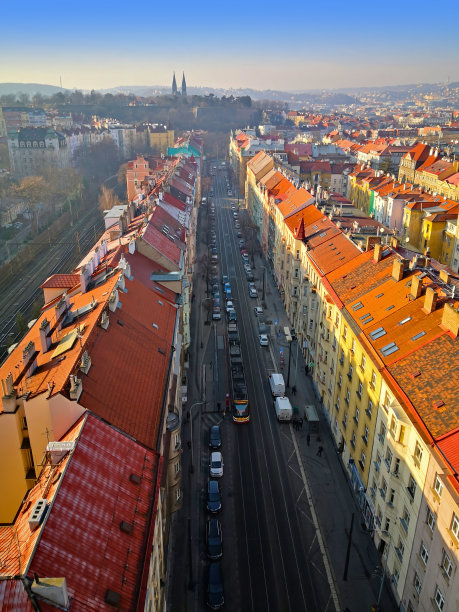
x=21, y=324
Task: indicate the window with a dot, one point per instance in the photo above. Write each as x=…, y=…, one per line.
x=373, y=380
x=359, y=392
x=340, y=381
x=387, y=401
x=417, y=583
x=304, y=311
x=345, y=419
x=353, y=346
x=383, y=489
x=363, y=458
x=393, y=426
x=345, y=332
x=446, y=564
x=365, y=435
x=387, y=524
x=348, y=396
x=424, y=553
x=351, y=372
x=411, y=488
x=439, y=599
x=357, y=415
x=296, y=272
x=405, y=519
x=362, y=363
x=297, y=254
x=353, y=440
x=438, y=486
x=177, y=467
x=388, y=458
x=418, y=454
x=370, y=408
x=391, y=497
x=431, y=520
x=177, y=440
x=178, y=494
x=396, y=471
x=455, y=526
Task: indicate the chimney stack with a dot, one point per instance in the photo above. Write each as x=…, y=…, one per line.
x=377, y=255
x=444, y=276
x=45, y=339
x=450, y=320
x=29, y=358
x=371, y=241
x=394, y=243
x=416, y=287
x=398, y=269
x=430, y=300
x=83, y=279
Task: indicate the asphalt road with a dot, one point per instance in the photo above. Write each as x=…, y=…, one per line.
x=270, y=559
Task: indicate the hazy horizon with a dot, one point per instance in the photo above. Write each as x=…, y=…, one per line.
x=304, y=47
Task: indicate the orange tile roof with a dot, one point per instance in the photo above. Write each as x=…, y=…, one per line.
x=437, y=381
x=61, y=281
x=308, y=215
x=333, y=253
x=55, y=371
x=297, y=200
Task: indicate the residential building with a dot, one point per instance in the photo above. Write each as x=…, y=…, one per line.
x=160, y=138
x=31, y=149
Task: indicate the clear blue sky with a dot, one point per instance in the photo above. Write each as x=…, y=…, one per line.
x=264, y=45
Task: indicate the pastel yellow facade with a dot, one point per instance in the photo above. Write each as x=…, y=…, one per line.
x=432, y=235
x=450, y=235
x=160, y=141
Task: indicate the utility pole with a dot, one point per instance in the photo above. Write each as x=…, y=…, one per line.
x=348, y=552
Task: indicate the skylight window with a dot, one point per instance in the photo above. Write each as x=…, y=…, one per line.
x=403, y=321
x=389, y=349
x=417, y=336
x=357, y=306
x=379, y=295
x=378, y=333
x=390, y=307
x=366, y=316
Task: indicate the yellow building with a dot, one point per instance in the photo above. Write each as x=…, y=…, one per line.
x=433, y=231
x=160, y=138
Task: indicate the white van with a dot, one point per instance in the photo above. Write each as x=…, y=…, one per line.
x=277, y=384
x=283, y=409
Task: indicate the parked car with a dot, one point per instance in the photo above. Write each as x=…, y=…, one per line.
x=215, y=598
x=215, y=437
x=225, y=280
x=231, y=315
x=216, y=464
x=229, y=305
x=253, y=292
x=250, y=276
x=214, y=500
x=214, y=539
x=239, y=235
x=258, y=311
x=216, y=313
x=263, y=340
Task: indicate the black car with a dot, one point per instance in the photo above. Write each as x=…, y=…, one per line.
x=214, y=500
x=214, y=539
x=215, y=599
x=215, y=437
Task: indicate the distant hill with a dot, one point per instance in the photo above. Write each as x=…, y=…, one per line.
x=29, y=89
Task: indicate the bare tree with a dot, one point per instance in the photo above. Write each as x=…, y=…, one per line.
x=108, y=198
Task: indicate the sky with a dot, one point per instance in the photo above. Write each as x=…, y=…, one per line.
x=262, y=45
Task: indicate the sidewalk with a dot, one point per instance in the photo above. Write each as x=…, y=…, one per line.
x=330, y=488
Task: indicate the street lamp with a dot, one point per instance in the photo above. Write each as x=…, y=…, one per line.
x=191, y=432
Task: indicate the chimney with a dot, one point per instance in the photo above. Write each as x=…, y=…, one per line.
x=29, y=358
x=444, y=276
x=83, y=279
x=450, y=319
x=53, y=590
x=75, y=387
x=377, y=255
x=430, y=300
x=394, y=243
x=398, y=268
x=416, y=287
x=97, y=256
x=45, y=338
x=371, y=241
x=9, y=394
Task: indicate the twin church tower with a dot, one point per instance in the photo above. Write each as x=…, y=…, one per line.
x=175, y=91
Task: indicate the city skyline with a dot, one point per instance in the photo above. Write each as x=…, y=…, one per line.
x=305, y=48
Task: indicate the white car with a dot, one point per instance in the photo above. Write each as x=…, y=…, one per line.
x=216, y=464
x=253, y=292
x=263, y=340
x=258, y=311
x=229, y=305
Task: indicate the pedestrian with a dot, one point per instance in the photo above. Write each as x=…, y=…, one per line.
x=219, y=405
x=294, y=390
x=308, y=439
x=306, y=370
x=319, y=451
x=301, y=423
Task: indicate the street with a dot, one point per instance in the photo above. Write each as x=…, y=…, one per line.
x=272, y=557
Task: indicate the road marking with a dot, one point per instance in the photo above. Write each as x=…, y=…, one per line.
x=323, y=551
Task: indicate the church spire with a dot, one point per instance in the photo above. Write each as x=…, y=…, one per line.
x=174, y=86
x=183, y=85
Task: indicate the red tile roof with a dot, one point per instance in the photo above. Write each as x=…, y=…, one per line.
x=13, y=596
x=164, y=245
x=126, y=383
x=170, y=199
x=81, y=538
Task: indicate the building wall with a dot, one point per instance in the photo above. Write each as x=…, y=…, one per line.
x=434, y=558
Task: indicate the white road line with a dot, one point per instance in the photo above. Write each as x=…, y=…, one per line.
x=323, y=551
